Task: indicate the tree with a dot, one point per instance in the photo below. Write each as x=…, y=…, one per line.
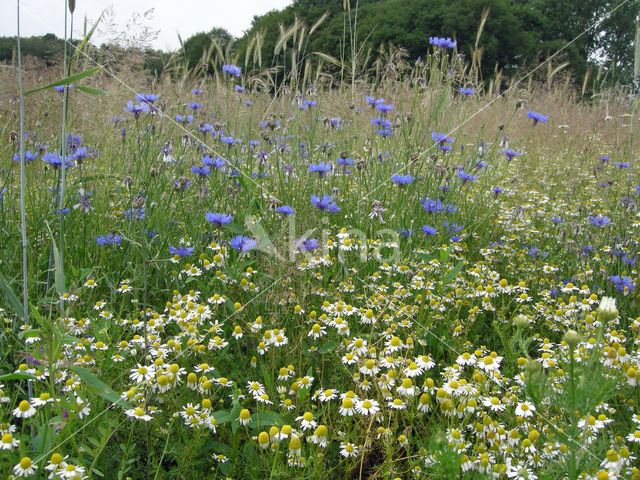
x=200, y=43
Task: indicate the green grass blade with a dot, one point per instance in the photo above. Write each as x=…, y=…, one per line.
x=65, y=81
x=13, y=299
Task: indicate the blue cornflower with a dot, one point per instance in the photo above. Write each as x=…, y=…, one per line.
x=232, y=69
x=466, y=177
x=336, y=122
x=2, y=192
x=600, y=220
x=401, y=179
x=511, y=153
x=442, y=140
x=467, y=91
x=309, y=244
x=306, y=104
x=196, y=91
x=28, y=156
x=194, y=105
x=62, y=211
x=206, y=127
x=622, y=164
x=181, y=251
x=184, y=118
x=60, y=88
x=218, y=219
x=134, y=213
x=73, y=141
x=242, y=243
x=405, y=233
x=429, y=230
x=325, y=203
x=238, y=88
x=136, y=109
x=228, y=140
x=81, y=153
x=497, y=190
x=321, y=168
x=452, y=227
x=604, y=158
x=537, y=117
x=109, y=239
x=285, y=209
x=201, y=171
x=344, y=162
x=382, y=122
x=217, y=162
x=442, y=42
x=622, y=283
x=384, y=108
x=147, y=97
x=52, y=158
x=436, y=206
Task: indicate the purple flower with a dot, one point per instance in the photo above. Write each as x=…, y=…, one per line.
x=622, y=283
x=441, y=139
x=401, y=179
x=243, y=244
x=232, y=69
x=622, y=164
x=218, y=219
x=511, y=153
x=184, y=119
x=321, y=168
x=600, y=220
x=604, y=158
x=28, y=156
x=196, y=91
x=310, y=244
x=325, y=203
x=436, y=206
x=201, y=171
x=466, y=177
x=181, y=251
x=147, y=97
x=217, y=162
x=285, y=209
x=194, y=106
x=467, y=91
x=497, y=190
x=537, y=117
x=443, y=43
x=429, y=230
x=109, y=239
x=136, y=109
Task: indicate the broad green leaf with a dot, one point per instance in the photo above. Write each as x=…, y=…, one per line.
x=452, y=274
x=59, y=269
x=330, y=346
x=265, y=419
x=64, y=81
x=92, y=91
x=11, y=296
x=101, y=388
x=444, y=255
x=222, y=416
x=17, y=376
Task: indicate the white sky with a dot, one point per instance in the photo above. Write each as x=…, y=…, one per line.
x=170, y=17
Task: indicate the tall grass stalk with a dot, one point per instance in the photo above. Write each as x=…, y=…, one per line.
x=23, y=221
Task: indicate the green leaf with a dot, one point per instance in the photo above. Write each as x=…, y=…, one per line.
x=426, y=258
x=17, y=376
x=444, y=255
x=59, y=269
x=452, y=274
x=101, y=388
x=92, y=91
x=65, y=81
x=265, y=419
x=86, y=38
x=235, y=228
x=11, y=296
x=330, y=346
x=222, y=416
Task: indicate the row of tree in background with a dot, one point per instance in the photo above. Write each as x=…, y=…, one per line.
x=500, y=35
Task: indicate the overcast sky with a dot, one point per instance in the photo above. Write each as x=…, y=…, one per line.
x=170, y=17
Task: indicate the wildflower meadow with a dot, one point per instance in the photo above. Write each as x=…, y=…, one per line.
x=408, y=273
